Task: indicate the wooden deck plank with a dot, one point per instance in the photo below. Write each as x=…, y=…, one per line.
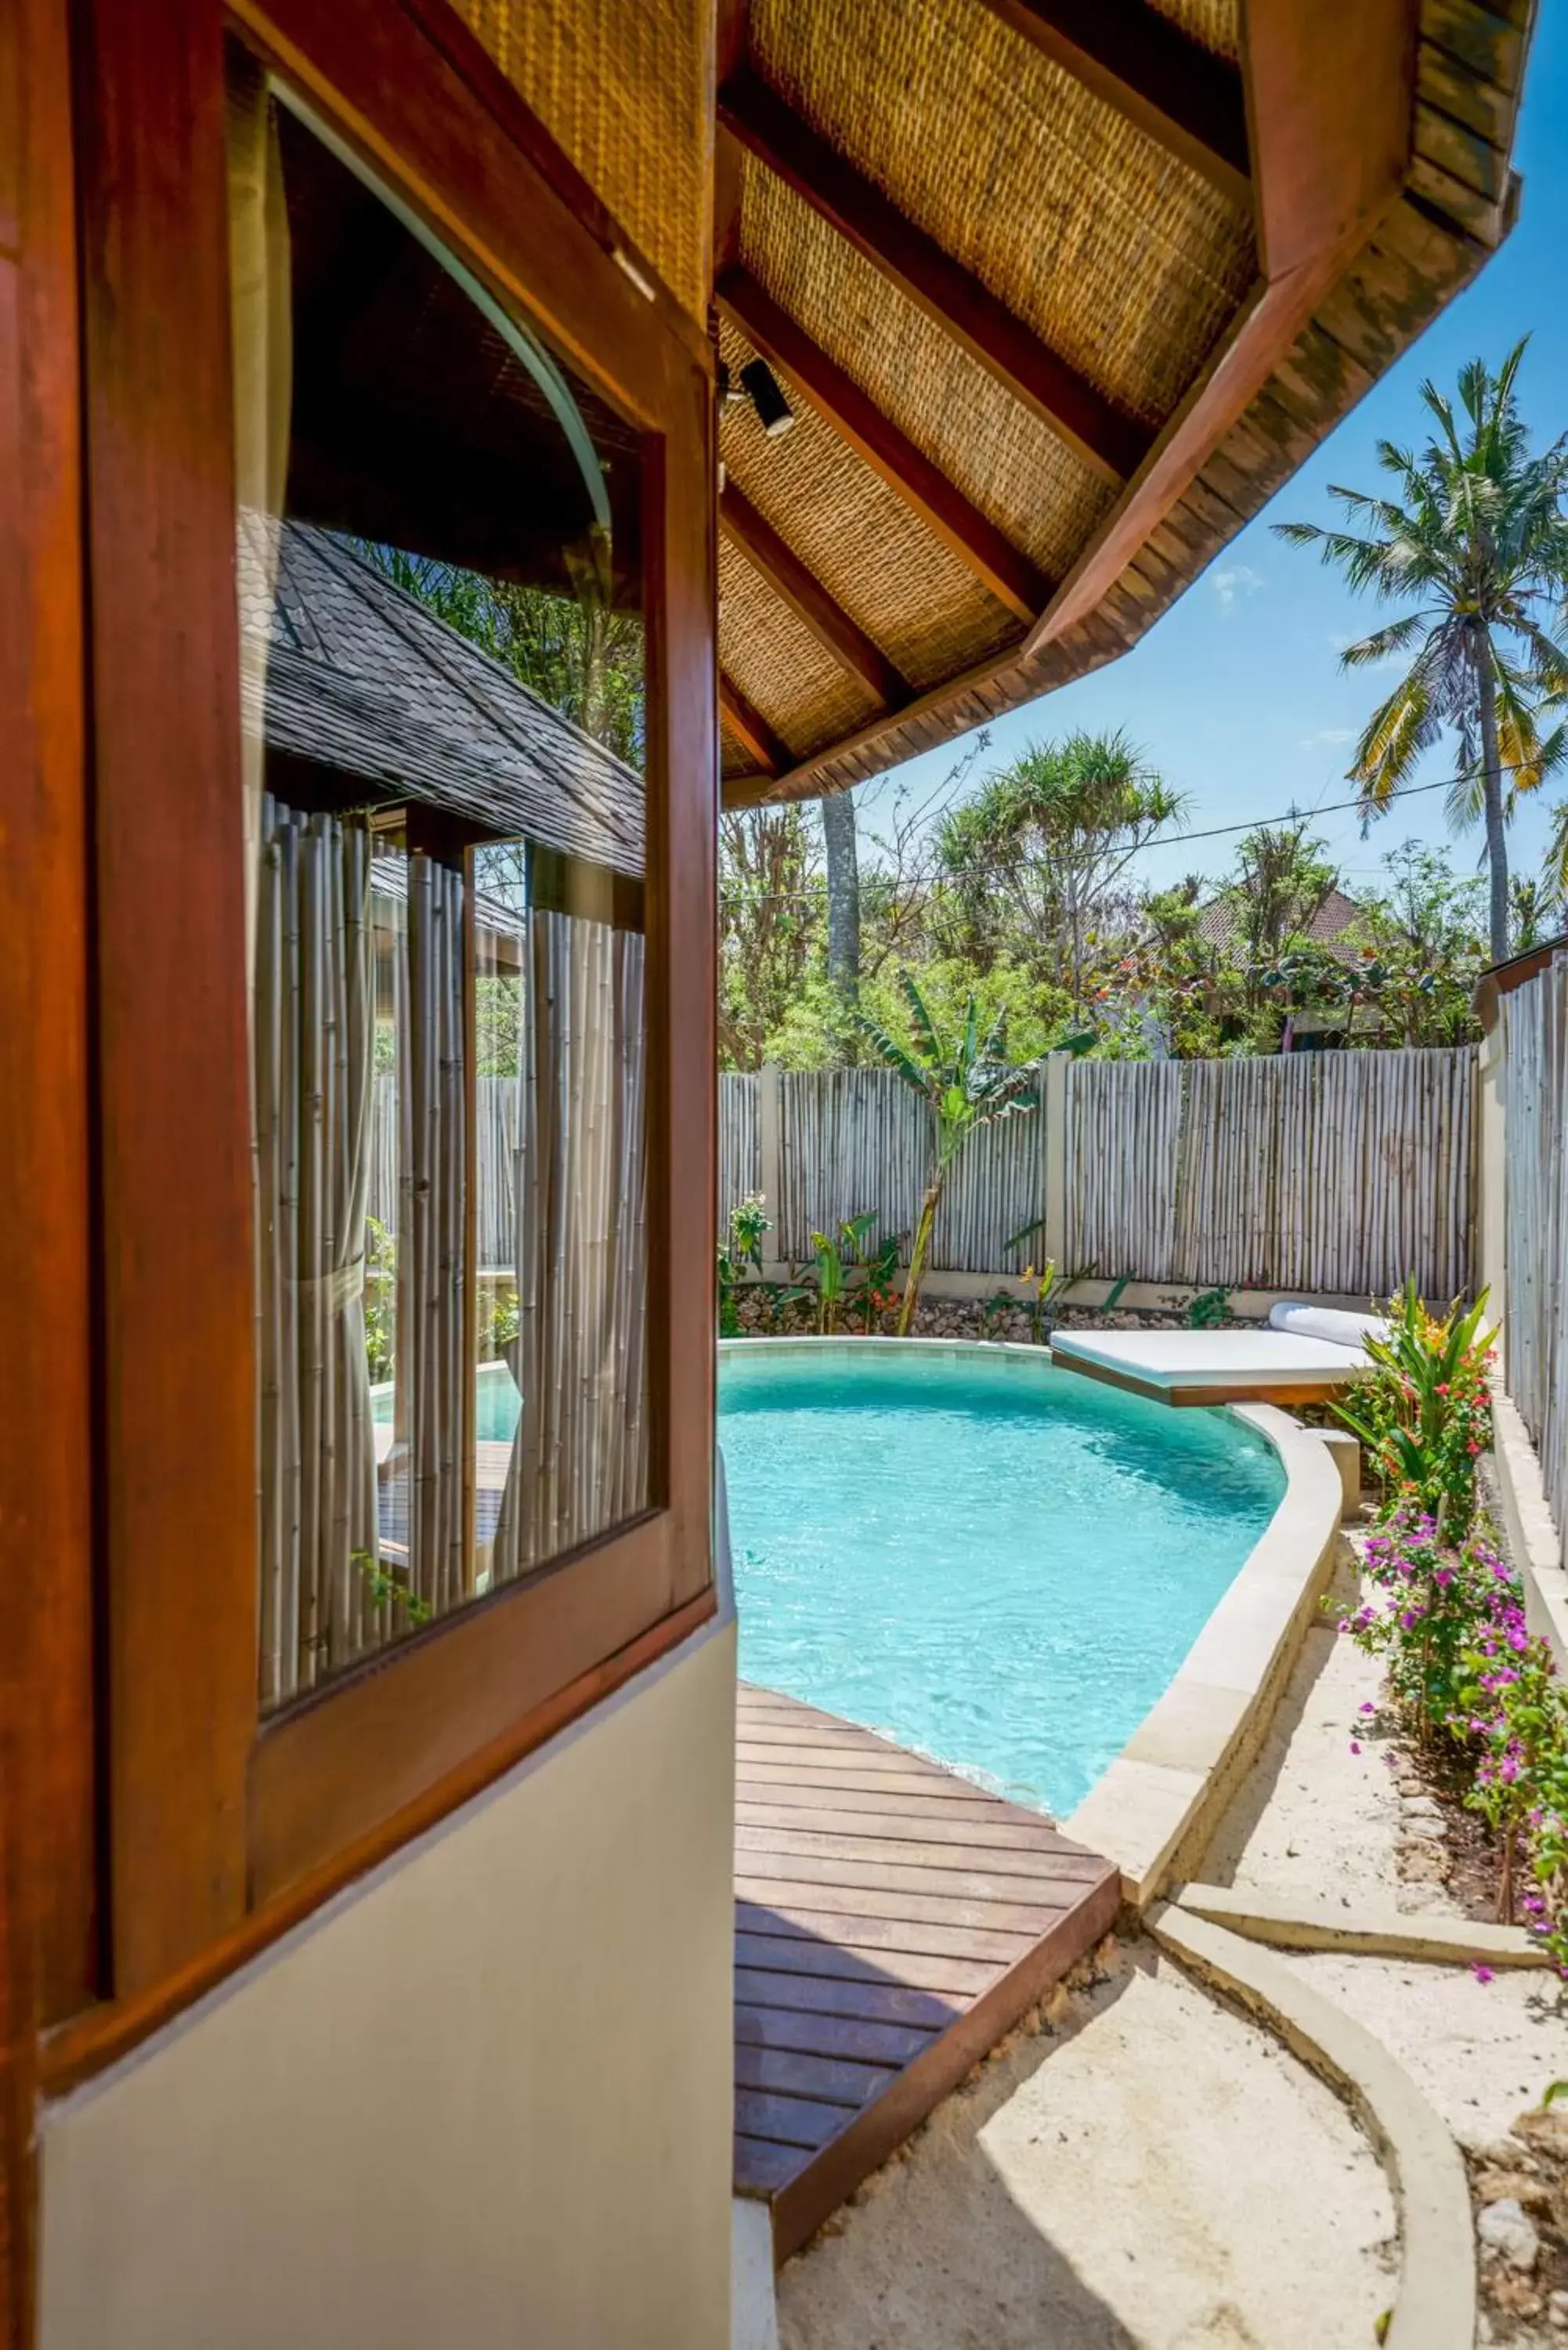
x=960, y=1802
x=802, y=2073
x=852, y=2036
x=920, y=1974
x=884, y=1936
x=913, y=1820
x=791, y=2121
x=1021, y=1864
x=893, y=1921
x=865, y=1890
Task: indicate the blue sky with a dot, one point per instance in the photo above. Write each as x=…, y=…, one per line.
x=1236, y=695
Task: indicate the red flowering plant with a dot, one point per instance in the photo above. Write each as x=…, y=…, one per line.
x=1424, y=1414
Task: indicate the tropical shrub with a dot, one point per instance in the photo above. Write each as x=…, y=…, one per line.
x=855, y=1274
x=1423, y=1416
x=740, y=1252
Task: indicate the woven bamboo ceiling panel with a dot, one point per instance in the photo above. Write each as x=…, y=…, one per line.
x=1058, y=292
x=1122, y=259
x=1215, y=25
x=626, y=88
x=983, y=439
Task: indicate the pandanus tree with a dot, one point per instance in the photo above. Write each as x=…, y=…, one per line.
x=969, y=1083
x=1473, y=536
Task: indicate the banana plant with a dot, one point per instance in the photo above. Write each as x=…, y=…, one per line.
x=852, y=1270
x=968, y=1082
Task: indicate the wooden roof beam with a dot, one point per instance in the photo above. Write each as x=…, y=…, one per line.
x=1137, y=60
x=1330, y=103
x=838, y=399
x=807, y=599
x=1113, y=444
x=751, y=729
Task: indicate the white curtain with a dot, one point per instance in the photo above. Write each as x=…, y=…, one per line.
x=314, y=1037
x=579, y=1459
x=427, y=1470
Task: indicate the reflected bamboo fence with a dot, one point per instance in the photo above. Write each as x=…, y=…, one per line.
x=1534, y=1019
x=498, y=1113
x=1323, y=1172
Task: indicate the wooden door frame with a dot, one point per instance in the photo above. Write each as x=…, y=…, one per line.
x=221, y=1830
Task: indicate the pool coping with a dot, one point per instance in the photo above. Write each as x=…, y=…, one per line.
x=1154, y=1810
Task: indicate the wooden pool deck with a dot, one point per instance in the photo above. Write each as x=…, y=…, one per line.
x=892, y=1922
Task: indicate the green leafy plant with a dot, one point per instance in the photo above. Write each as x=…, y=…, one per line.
x=385, y=1586
x=854, y=1272
x=1208, y=1310
x=1423, y=1414
x=968, y=1082
x=499, y=1322
x=740, y=1252
x=380, y=1299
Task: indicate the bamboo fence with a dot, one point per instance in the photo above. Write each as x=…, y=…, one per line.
x=497, y=1133
x=1535, y=1302
x=1331, y=1173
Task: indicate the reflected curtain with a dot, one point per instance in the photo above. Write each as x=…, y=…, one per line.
x=579, y=1459
x=314, y=1037
x=432, y=1196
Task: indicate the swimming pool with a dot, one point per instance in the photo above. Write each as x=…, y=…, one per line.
x=497, y=1403
x=995, y=1561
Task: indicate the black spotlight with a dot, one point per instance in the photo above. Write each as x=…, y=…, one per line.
x=773, y=412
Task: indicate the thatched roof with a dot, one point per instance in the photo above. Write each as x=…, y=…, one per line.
x=1061, y=292
x=365, y=680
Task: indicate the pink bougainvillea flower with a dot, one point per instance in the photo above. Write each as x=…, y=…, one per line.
x=1353, y=1747
x=1482, y=1974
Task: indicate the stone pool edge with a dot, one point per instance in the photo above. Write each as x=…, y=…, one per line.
x=1154, y=1811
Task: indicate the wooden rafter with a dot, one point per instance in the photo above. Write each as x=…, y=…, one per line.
x=751, y=728
x=809, y=600
x=838, y=399
x=1112, y=443
x=1329, y=100
x=1142, y=63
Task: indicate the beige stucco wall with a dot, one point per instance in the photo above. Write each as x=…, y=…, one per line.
x=484, y=2100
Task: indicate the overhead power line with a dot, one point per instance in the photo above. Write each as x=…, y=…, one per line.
x=1163, y=840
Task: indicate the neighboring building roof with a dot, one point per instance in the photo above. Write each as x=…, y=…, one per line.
x=1054, y=323
x=1219, y=924
x=366, y=680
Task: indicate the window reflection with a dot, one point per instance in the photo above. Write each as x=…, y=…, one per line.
x=442, y=678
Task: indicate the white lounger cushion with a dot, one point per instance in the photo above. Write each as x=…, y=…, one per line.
x=1327, y=1322
x=1224, y=1358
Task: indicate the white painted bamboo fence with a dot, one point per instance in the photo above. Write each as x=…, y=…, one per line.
x=1535, y=1302
x=1331, y=1172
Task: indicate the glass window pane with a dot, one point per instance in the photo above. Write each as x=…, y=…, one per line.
x=441, y=598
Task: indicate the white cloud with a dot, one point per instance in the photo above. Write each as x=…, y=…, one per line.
x=1239, y=579
x=1331, y=735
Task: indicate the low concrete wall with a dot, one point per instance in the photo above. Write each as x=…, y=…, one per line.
x=484, y=2098
x=1155, y=1810
x=1533, y=1541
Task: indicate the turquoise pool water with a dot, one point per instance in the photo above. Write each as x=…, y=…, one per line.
x=998, y=1563
x=497, y=1403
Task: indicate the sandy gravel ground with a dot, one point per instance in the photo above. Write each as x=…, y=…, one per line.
x=1318, y=1818
x=1152, y=2173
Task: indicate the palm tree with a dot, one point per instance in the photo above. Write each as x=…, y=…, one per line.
x=1476, y=537
x=1054, y=833
x=968, y=1083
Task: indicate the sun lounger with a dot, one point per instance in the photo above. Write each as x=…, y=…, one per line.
x=1305, y=1355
